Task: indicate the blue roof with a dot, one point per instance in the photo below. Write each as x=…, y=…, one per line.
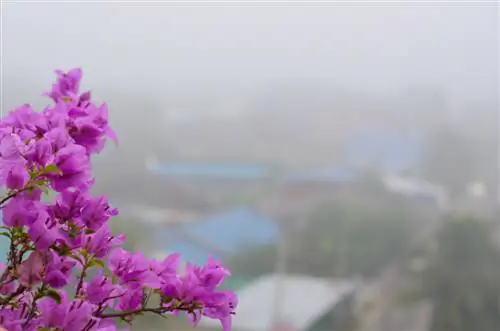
x=391, y=151
x=228, y=232
x=235, y=229
x=218, y=171
x=190, y=252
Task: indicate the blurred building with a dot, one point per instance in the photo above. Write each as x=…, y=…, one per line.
x=221, y=235
x=384, y=151
x=220, y=184
x=147, y=189
x=417, y=190
x=306, y=303
x=299, y=192
x=320, y=120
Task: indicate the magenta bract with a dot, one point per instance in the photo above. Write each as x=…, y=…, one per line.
x=55, y=246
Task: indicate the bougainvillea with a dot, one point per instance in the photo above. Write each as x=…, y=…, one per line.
x=65, y=271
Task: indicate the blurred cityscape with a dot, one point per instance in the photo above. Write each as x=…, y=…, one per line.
x=341, y=160
x=321, y=236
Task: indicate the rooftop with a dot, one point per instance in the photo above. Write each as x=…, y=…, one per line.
x=221, y=234
x=255, y=302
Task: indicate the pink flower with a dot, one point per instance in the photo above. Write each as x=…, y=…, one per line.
x=30, y=272
x=60, y=244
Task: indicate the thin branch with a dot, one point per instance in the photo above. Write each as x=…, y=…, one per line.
x=13, y=194
x=158, y=311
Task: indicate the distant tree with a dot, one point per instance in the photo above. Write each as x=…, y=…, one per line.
x=339, y=239
x=463, y=278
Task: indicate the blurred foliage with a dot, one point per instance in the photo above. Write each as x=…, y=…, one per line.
x=139, y=239
x=153, y=322
x=339, y=239
x=452, y=160
x=463, y=278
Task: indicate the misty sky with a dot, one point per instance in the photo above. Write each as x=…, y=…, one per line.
x=159, y=48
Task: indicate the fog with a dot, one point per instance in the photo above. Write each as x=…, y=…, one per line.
x=374, y=48
x=375, y=120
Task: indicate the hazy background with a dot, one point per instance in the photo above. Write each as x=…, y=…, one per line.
x=274, y=108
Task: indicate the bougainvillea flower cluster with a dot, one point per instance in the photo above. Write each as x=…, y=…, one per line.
x=65, y=270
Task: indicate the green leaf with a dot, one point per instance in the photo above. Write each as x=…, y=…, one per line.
x=52, y=169
x=5, y=234
x=54, y=295
x=84, y=253
x=97, y=262
x=76, y=257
